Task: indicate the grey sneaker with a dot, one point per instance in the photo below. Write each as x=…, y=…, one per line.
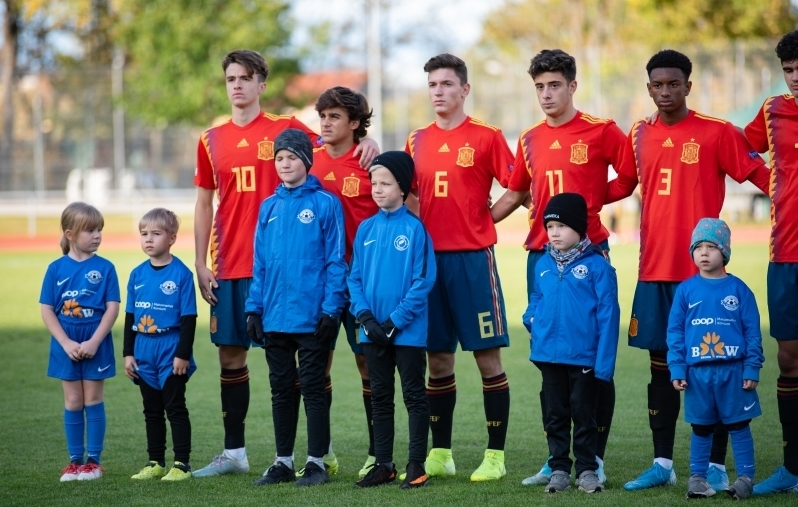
x=223, y=464
x=743, y=487
x=560, y=481
x=589, y=482
x=698, y=487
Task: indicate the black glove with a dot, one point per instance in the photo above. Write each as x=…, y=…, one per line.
x=373, y=330
x=255, y=329
x=326, y=329
x=390, y=329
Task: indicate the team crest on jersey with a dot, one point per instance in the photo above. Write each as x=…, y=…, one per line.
x=730, y=303
x=633, y=324
x=579, y=153
x=94, y=277
x=351, y=186
x=266, y=150
x=580, y=272
x=401, y=243
x=168, y=287
x=690, y=152
x=306, y=216
x=465, y=156
x=214, y=324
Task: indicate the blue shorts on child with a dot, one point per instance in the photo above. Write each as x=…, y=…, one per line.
x=715, y=394
x=155, y=356
x=99, y=367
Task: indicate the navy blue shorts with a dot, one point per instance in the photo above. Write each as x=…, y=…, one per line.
x=648, y=328
x=715, y=394
x=466, y=303
x=533, y=257
x=99, y=367
x=155, y=356
x=228, y=317
x=783, y=300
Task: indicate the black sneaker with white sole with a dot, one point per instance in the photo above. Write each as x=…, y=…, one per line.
x=276, y=474
x=313, y=476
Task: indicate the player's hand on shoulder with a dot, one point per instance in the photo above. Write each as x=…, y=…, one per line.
x=651, y=120
x=72, y=349
x=206, y=280
x=750, y=385
x=131, y=367
x=179, y=366
x=367, y=150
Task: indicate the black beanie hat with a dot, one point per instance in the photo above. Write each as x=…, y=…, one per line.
x=570, y=209
x=298, y=143
x=401, y=166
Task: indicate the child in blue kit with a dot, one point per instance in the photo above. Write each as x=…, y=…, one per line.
x=714, y=356
x=573, y=316
x=80, y=303
x=160, y=319
x=393, y=270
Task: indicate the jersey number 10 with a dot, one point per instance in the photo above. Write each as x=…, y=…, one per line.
x=245, y=178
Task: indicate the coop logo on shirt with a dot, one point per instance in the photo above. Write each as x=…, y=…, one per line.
x=169, y=287
x=306, y=216
x=730, y=303
x=702, y=321
x=580, y=272
x=94, y=276
x=401, y=243
x=143, y=304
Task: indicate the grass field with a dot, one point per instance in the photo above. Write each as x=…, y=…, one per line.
x=33, y=449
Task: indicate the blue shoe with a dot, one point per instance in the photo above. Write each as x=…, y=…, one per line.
x=602, y=477
x=654, y=476
x=717, y=478
x=541, y=478
x=782, y=481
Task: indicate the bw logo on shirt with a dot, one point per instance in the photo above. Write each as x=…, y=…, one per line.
x=580, y=272
x=712, y=347
x=72, y=308
x=146, y=325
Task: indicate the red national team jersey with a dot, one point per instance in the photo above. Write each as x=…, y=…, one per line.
x=775, y=130
x=454, y=173
x=344, y=177
x=573, y=157
x=682, y=171
x=238, y=162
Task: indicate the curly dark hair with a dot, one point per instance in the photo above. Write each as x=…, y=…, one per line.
x=553, y=60
x=447, y=61
x=787, y=48
x=250, y=60
x=670, y=59
x=355, y=105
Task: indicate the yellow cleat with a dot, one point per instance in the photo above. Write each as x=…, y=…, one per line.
x=439, y=463
x=492, y=467
x=152, y=470
x=177, y=473
x=370, y=462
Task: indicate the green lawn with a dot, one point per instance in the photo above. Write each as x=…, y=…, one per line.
x=33, y=450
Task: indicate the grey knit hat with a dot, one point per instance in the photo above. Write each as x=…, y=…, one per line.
x=298, y=143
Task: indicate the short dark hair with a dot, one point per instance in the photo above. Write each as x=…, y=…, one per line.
x=553, y=60
x=670, y=59
x=250, y=60
x=355, y=104
x=447, y=61
x=787, y=48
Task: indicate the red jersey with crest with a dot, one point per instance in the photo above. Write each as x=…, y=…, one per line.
x=682, y=171
x=455, y=170
x=344, y=177
x=238, y=162
x=573, y=157
x=775, y=130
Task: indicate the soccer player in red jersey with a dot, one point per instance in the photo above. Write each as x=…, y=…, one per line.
x=344, y=116
x=775, y=130
x=681, y=162
x=457, y=158
x=235, y=161
x=569, y=151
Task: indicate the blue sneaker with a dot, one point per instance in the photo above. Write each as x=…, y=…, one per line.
x=541, y=478
x=782, y=481
x=602, y=477
x=717, y=478
x=654, y=476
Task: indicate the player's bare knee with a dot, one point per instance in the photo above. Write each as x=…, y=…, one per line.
x=328, y=369
x=787, y=358
x=441, y=364
x=489, y=362
x=232, y=358
x=362, y=367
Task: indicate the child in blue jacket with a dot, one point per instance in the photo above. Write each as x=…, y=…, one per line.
x=295, y=301
x=714, y=356
x=393, y=270
x=573, y=315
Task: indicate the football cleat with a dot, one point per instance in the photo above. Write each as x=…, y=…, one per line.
x=90, y=471
x=223, y=464
x=152, y=470
x=782, y=481
x=179, y=472
x=657, y=475
x=492, y=467
x=70, y=472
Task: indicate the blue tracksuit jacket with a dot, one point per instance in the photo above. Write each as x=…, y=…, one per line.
x=576, y=313
x=393, y=270
x=299, y=269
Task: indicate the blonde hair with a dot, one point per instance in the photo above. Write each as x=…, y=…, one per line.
x=79, y=217
x=163, y=218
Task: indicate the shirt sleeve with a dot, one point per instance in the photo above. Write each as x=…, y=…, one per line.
x=521, y=179
x=112, y=286
x=626, y=182
x=752, y=336
x=130, y=303
x=614, y=146
x=534, y=300
x=677, y=347
x=188, y=295
x=47, y=295
x=254, y=302
x=424, y=272
x=315, y=139
x=334, y=259
x=203, y=173
x=608, y=317
x=737, y=158
x=357, y=299
x=756, y=132
x=501, y=158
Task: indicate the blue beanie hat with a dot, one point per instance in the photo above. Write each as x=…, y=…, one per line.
x=715, y=231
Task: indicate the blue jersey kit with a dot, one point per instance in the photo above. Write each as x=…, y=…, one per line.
x=78, y=290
